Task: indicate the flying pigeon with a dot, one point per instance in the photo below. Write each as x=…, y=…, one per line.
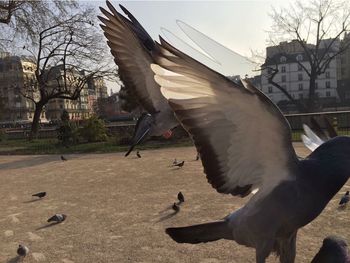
x=58, y=218
x=180, y=197
x=22, y=251
x=132, y=48
x=63, y=158
x=245, y=145
x=176, y=208
x=345, y=199
x=333, y=250
x=40, y=194
x=180, y=164
x=138, y=154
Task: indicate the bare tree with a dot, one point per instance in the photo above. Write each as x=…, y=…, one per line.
x=317, y=26
x=67, y=55
x=22, y=18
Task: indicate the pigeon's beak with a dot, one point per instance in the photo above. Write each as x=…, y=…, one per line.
x=142, y=129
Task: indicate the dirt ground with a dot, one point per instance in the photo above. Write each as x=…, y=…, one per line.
x=117, y=210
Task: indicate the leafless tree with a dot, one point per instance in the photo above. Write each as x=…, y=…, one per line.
x=67, y=55
x=310, y=23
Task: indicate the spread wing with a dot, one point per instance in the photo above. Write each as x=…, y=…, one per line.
x=310, y=139
x=243, y=139
x=131, y=47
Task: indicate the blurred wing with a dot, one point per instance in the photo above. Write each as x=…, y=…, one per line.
x=131, y=47
x=243, y=139
x=310, y=139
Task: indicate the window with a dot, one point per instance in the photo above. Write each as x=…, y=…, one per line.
x=300, y=76
x=284, y=87
x=300, y=68
x=300, y=86
x=328, y=84
x=328, y=93
x=283, y=59
x=283, y=78
x=301, y=95
x=283, y=69
x=299, y=57
x=270, y=89
x=328, y=75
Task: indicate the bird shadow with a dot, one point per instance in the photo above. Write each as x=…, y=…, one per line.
x=15, y=260
x=32, y=201
x=47, y=226
x=166, y=217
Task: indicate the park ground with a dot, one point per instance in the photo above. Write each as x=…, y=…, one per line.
x=117, y=210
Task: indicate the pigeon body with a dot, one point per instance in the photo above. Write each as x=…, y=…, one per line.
x=63, y=158
x=176, y=208
x=22, y=251
x=333, y=250
x=180, y=197
x=40, y=194
x=345, y=199
x=179, y=164
x=58, y=218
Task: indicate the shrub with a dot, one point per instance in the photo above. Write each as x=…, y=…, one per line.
x=94, y=130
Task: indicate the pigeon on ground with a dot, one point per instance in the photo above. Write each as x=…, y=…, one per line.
x=179, y=164
x=333, y=250
x=132, y=48
x=58, y=218
x=63, y=158
x=345, y=199
x=245, y=146
x=180, y=197
x=176, y=208
x=138, y=154
x=22, y=250
x=40, y=194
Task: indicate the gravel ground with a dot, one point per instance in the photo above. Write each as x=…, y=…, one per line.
x=118, y=209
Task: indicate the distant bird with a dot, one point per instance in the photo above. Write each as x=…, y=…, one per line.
x=179, y=164
x=345, y=199
x=40, y=194
x=22, y=250
x=245, y=146
x=63, y=158
x=138, y=154
x=132, y=48
x=333, y=250
x=58, y=218
x=176, y=208
x=180, y=197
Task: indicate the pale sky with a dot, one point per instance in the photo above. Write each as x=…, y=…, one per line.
x=239, y=25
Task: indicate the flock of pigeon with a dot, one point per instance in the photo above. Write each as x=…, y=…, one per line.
x=22, y=250
x=243, y=141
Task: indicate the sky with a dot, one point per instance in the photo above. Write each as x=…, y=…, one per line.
x=238, y=25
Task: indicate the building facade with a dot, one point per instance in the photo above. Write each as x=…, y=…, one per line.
x=290, y=61
x=17, y=73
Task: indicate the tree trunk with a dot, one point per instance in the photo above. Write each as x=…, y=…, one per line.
x=36, y=119
x=311, y=102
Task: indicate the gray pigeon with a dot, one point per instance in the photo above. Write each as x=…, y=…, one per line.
x=132, y=48
x=40, y=194
x=345, y=199
x=180, y=197
x=63, y=158
x=22, y=250
x=58, y=218
x=180, y=164
x=245, y=146
x=333, y=250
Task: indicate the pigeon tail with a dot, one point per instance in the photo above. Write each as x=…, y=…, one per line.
x=200, y=233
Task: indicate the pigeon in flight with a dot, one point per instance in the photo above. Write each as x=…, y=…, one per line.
x=138, y=154
x=40, y=194
x=180, y=197
x=63, y=158
x=132, y=48
x=176, y=207
x=345, y=199
x=333, y=250
x=22, y=251
x=180, y=164
x=245, y=145
x=58, y=218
